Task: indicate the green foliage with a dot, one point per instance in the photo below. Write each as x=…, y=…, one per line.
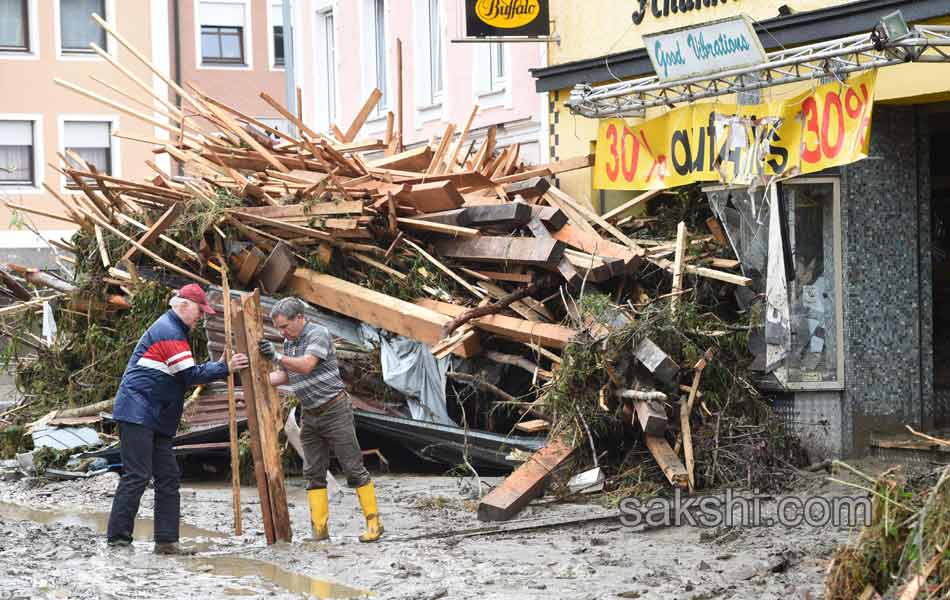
x=14, y=440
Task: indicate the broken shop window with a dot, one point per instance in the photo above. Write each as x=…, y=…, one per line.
x=793, y=260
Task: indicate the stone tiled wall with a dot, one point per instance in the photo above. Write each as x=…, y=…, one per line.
x=885, y=219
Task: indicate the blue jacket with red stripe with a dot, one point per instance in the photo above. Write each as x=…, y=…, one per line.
x=162, y=368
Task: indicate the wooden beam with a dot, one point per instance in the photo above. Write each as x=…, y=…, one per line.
x=520, y=330
x=612, y=215
x=157, y=229
x=506, y=250
x=651, y=416
x=678, y=266
x=302, y=211
x=665, y=457
x=232, y=403
x=452, y=230
x=361, y=116
x=511, y=214
x=525, y=278
x=253, y=424
x=458, y=217
x=589, y=213
x=552, y=217
x=416, y=160
x=277, y=269
x=268, y=414
x=533, y=426
x=432, y=197
x=529, y=189
x=594, y=244
x=438, y=264
x=380, y=310
x=525, y=483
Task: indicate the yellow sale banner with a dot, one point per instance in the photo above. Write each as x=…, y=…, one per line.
x=826, y=127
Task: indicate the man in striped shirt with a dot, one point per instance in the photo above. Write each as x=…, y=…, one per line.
x=308, y=364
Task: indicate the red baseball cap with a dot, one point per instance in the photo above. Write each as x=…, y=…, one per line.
x=193, y=292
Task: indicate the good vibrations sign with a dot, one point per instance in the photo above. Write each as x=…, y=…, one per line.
x=734, y=144
x=506, y=18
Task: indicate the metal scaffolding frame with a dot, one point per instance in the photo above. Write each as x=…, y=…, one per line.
x=834, y=58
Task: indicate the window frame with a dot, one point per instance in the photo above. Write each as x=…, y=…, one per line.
x=380, y=55
x=272, y=63
x=324, y=104
x=27, y=47
x=239, y=34
x=77, y=54
x=246, y=40
x=436, y=68
x=838, y=259
x=37, y=168
x=115, y=155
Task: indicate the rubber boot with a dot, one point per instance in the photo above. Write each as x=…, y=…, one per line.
x=367, y=495
x=319, y=513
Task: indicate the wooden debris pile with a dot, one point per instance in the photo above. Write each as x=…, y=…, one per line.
x=456, y=244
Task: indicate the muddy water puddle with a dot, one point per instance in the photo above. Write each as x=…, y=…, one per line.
x=245, y=575
x=237, y=568
x=144, y=528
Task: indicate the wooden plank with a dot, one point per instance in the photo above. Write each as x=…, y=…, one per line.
x=725, y=263
x=361, y=116
x=432, y=197
x=712, y=223
x=417, y=322
x=507, y=250
x=158, y=228
x=341, y=207
x=529, y=189
x=612, y=215
x=288, y=227
x=416, y=160
x=511, y=214
x=533, y=426
x=545, y=334
x=443, y=148
x=665, y=457
x=268, y=415
x=232, y=403
x=525, y=483
x=277, y=269
x=678, y=266
x=569, y=164
x=253, y=424
x=525, y=278
x=589, y=213
x=656, y=361
x=594, y=244
x=458, y=217
x=451, y=161
x=452, y=230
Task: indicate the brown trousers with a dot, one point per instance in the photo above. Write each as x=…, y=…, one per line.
x=326, y=428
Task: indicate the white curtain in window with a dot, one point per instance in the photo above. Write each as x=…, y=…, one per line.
x=224, y=14
x=435, y=49
x=15, y=163
x=16, y=151
x=379, y=22
x=97, y=157
x=86, y=134
x=277, y=14
x=76, y=24
x=12, y=18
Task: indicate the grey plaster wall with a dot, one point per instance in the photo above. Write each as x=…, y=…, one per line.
x=887, y=295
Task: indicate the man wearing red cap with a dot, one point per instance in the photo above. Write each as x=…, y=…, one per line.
x=148, y=407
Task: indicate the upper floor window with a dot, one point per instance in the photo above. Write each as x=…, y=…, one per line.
x=223, y=33
x=14, y=26
x=497, y=60
x=379, y=50
x=91, y=141
x=277, y=33
x=436, y=85
x=77, y=29
x=17, y=157
x=328, y=63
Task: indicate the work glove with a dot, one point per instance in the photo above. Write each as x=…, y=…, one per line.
x=268, y=350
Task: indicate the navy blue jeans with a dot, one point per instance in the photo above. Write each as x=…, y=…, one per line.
x=145, y=455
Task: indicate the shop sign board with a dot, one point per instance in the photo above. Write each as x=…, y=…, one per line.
x=704, y=49
x=738, y=144
x=507, y=18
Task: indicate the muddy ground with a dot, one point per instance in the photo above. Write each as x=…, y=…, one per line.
x=52, y=546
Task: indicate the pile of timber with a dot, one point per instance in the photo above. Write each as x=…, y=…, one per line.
x=490, y=247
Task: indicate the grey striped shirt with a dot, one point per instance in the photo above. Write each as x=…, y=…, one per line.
x=323, y=383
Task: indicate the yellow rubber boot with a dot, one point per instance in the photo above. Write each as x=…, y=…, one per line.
x=367, y=496
x=319, y=513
